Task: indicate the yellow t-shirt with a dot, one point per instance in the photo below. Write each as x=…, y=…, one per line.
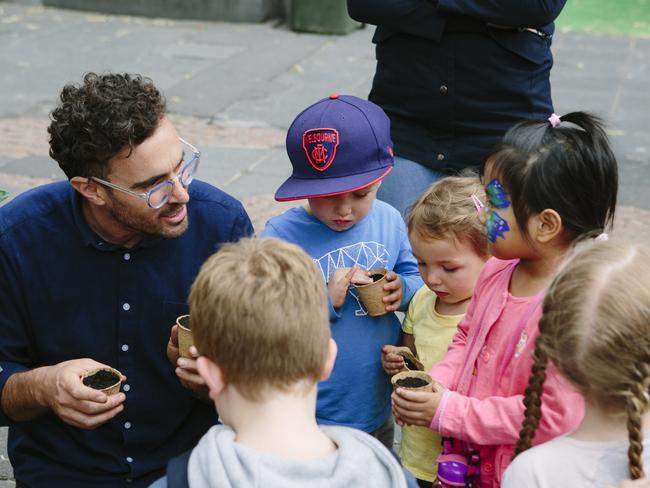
x=433, y=333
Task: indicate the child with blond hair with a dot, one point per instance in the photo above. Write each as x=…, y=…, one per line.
x=449, y=244
x=261, y=360
x=596, y=330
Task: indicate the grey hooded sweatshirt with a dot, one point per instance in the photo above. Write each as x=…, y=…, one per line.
x=360, y=460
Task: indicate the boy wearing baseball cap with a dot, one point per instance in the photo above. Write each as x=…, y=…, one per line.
x=340, y=150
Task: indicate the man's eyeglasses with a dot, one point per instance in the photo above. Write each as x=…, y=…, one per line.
x=159, y=194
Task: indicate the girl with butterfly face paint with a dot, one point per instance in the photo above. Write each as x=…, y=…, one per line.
x=549, y=184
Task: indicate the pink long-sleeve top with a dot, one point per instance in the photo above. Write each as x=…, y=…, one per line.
x=486, y=371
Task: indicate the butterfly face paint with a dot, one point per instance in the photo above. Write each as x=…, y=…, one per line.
x=497, y=194
x=495, y=226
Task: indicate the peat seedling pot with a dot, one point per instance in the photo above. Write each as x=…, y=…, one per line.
x=106, y=380
x=371, y=294
x=185, y=339
x=413, y=380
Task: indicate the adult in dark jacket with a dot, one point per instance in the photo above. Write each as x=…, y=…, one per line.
x=454, y=76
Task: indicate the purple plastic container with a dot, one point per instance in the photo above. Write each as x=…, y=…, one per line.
x=452, y=470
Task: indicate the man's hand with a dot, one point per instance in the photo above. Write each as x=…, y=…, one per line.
x=189, y=375
x=339, y=282
x=185, y=367
x=394, y=286
x=72, y=401
x=173, y=352
x=416, y=407
x=392, y=362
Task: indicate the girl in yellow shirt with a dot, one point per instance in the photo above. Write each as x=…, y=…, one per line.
x=450, y=245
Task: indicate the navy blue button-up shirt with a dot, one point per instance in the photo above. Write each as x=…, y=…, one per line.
x=66, y=294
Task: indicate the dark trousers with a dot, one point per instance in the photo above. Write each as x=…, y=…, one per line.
x=386, y=433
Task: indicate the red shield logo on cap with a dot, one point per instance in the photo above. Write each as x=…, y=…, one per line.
x=320, y=147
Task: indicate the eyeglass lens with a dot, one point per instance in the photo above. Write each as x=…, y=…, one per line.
x=159, y=195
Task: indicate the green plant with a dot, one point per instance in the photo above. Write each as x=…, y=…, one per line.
x=3, y=195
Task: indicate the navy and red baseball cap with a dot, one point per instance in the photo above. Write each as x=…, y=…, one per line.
x=337, y=145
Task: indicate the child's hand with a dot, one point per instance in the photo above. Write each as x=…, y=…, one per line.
x=361, y=277
x=416, y=407
x=338, y=285
x=391, y=362
x=393, y=285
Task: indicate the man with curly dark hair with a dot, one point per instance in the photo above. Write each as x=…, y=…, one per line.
x=93, y=272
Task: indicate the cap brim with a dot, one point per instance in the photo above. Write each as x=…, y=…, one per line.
x=299, y=189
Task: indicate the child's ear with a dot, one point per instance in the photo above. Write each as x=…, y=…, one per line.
x=547, y=225
x=212, y=375
x=88, y=188
x=332, y=349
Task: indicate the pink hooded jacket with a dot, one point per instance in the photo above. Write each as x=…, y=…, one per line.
x=486, y=371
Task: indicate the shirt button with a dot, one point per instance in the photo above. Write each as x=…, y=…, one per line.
x=487, y=467
x=441, y=157
x=127, y=425
x=443, y=89
x=126, y=306
x=129, y=459
x=125, y=347
x=127, y=256
x=126, y=387
x=129, y=480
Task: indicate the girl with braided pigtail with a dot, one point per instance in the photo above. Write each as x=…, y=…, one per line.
x=595, y=329
x=533, y=399
x=550, y=185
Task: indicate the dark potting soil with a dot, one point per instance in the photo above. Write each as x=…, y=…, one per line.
x=101, y=379
x=185, y=322
x=376, y=276
x=411, y=382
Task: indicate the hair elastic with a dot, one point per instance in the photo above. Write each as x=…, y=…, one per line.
x=554, y=120
x=603, y=236
x=477, y=203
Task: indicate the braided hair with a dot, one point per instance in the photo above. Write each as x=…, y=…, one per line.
x=595, y=328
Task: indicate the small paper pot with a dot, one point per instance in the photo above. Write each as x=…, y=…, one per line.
x=372, y=293
x=185, y=339
x=411, y=363
x=103, y=379
x=413, y=380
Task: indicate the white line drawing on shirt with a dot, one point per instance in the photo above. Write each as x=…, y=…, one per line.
x=365, y=255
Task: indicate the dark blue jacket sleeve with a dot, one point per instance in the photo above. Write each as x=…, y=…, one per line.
x=511, y=13
x=427, y=18
x=416, y=17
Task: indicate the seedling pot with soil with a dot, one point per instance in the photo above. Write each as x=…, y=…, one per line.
x=185, y=338
x=371, y=294
x=413, y=380
x=106, y=380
